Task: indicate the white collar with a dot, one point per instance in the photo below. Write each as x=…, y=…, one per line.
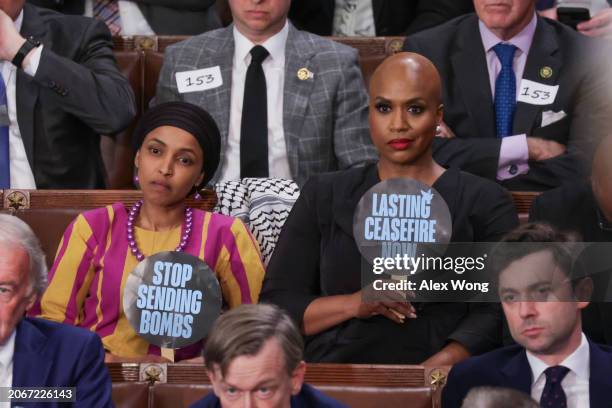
x=578, y=362
x=275, y=45
x=19, y=21
x=6, y=351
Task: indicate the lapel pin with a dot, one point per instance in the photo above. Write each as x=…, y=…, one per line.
x=546, y=72
x=304, y=74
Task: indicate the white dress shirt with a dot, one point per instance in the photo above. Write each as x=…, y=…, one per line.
x=576, y=382
x=354, y=18
x=274, y=71
x=21, y=172
x=6, y=365
x=132, y=20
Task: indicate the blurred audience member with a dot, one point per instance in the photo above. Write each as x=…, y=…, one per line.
x=289, y=104
x=177, y=148
x=315, y=270
x=254, y=358
x=542, y=297
x=51, y=66
x=525, y=101
x=144, y=17
x=369, y=18
x=36, y=352
x=497, y=397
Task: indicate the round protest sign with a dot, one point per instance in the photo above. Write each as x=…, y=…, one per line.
x=401, y=218
x=172, y=299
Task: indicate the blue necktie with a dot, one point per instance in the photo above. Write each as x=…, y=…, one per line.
x=505, y=90
x=553, y=395
x=5, y=175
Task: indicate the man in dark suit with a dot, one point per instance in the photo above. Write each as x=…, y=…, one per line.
x=542, y=295
x=163, y=17
x=524, y=103
x=63, y=89
x=254, y=358
x=35, y=352
x=390, y=17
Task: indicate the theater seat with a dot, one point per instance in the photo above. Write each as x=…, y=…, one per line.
x=177, y=395
x=152, y=66
x=376, y=397
x=131, y=395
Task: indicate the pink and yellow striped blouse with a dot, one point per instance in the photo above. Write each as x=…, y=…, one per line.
x=94, y=260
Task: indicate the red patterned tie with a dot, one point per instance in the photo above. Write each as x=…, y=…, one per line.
x=108, y=11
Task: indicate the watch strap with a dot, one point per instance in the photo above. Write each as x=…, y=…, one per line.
x=25, y=49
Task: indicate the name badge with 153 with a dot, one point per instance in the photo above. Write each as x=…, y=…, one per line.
x=535, y=93
x=199, y=80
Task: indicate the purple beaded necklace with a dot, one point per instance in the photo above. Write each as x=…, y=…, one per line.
x=185, y=233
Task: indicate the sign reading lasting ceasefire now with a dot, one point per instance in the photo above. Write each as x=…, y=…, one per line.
x=400, y=217
x=172, y=299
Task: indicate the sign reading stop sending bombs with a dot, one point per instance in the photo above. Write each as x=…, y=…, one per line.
x=172, y=299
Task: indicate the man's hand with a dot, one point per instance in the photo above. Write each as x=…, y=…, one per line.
x=540, y=149
x=10, y=39
x=598, y=26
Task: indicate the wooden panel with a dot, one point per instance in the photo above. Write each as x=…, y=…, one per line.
x=523, y=200
x=331, y=374
x=88, y=199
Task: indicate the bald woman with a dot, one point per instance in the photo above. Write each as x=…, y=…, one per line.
x=315, y=272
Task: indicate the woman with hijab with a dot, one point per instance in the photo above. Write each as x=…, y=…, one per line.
x=315, y=271
x=178, y=150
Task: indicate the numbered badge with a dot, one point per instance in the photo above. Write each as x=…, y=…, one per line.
x=199, y=80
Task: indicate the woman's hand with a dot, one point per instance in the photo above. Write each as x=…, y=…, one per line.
x=392, y=304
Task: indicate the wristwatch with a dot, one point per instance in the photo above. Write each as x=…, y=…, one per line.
x=27, y=46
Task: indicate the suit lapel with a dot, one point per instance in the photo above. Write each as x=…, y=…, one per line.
x=30, y=367
x=599, y=378
x=543, y=53
x=296, y=94
x=472, y=75
x=517, y=373
x=26, y=88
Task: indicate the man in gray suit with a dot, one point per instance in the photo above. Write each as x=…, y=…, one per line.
x=289, y=104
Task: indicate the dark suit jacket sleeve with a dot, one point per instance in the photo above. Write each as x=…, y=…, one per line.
x=92, y=381
x=495, y=215
x=292, y=278
x=95, y=91
x=352, y=144
x=453, y=393
x=430, y=13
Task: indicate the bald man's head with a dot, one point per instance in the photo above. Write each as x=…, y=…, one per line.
x=407, y=69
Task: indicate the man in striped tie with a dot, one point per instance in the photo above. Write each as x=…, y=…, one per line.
x=60, y=88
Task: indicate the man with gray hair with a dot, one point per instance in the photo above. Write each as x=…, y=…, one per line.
x=36, y=352
x=254, y=358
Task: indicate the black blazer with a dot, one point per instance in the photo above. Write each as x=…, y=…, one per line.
x=316, y=256
x=509, y=367
x=391, y=17
x=457, y=51
x=77, y=94
x=166, y=17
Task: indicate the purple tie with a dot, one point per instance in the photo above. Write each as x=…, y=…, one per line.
x=553, y=395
